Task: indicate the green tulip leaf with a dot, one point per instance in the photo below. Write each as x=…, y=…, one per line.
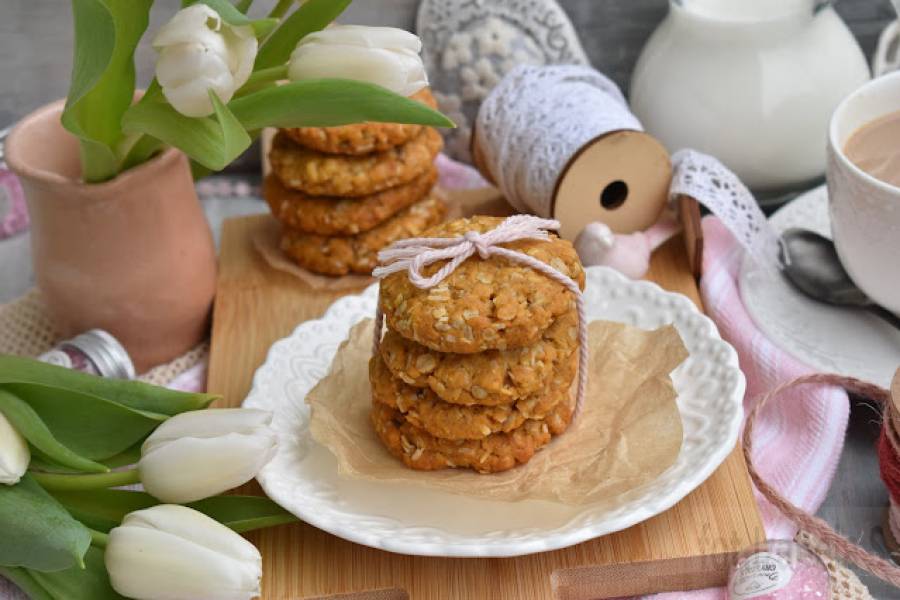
x=244, y=513
x=212, y=141
x=88, y=425
x=330, y=102
x=104, y=509
x=139, y=149
x=89, y=583
x=36, y=530
x=133, y=394
x=131, y=456
x=28, y=422
x=234, y=137
x=102, y=85
x=236, y=17
x=25, y=582
x=314, y=15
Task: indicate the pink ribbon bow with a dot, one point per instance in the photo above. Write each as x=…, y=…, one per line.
x=414, y=254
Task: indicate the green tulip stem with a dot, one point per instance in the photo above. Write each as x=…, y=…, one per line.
x=280, y=8
x=58, y=482
x=98, y=538
x=262, y=78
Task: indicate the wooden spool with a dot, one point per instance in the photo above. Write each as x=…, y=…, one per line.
x=620, y=178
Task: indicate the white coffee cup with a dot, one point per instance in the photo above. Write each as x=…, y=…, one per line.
x=865, y=211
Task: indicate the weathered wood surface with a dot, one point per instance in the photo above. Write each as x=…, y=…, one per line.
x=36, y=38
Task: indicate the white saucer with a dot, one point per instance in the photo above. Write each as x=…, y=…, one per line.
x=303, y=476
x=829, y=339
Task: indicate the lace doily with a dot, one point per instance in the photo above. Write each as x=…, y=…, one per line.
x=469, y=45
x=537, y=119
x=713, y=185
x=845, y=585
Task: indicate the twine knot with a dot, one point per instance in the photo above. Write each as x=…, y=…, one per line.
x=474, y=238
x=415, y=254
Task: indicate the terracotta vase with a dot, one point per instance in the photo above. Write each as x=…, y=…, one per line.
x=133, y=255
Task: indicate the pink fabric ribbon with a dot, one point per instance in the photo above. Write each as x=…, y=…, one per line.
x=16, y=218
x=415, y=254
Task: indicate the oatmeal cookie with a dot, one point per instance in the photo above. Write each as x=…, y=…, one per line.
x=489, y=378
x=423, y=409
x=343, y=216
x=360, y=138
x=359, y=253
x=492, y=304
x=420, y=450
x=317, y=174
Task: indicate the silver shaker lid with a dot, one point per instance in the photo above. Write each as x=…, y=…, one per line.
x=106, y=352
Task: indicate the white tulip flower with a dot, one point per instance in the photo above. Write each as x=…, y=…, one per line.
x=385, y=56
x=170, y=552
x=198, y=51
x=198, y=454
x=14, y=453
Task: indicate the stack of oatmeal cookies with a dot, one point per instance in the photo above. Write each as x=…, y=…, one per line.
x=344, y=193
x=476, y=372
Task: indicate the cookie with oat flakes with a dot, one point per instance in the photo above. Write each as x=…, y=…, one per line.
x=359, y=253
x=497, y=452
x=360, y=138
x=491, y=377
x=318, y=174
x=325, y=215
x=424, y=409
x=492, y=304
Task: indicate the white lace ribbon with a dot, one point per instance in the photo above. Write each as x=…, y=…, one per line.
x=713, y=185
x=538, y=118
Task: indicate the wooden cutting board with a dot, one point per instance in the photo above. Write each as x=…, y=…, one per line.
x=688, y=547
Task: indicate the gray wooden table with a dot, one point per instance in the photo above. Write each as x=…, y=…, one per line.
x=35, y=59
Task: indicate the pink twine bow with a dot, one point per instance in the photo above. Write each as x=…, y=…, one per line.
x=413, y=255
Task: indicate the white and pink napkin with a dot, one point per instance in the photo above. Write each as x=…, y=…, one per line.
x=798, y=440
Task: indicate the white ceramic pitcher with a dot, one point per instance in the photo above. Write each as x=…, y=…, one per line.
x=753, y=83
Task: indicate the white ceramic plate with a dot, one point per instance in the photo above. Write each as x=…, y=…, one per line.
x=830, y=339
x=303, y=476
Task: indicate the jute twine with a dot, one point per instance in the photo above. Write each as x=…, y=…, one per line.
x=888, y=448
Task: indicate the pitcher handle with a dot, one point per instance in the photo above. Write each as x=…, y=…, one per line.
x=887, y=53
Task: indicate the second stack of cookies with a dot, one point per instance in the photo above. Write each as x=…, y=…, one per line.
x=476, y=372
x=344, y=193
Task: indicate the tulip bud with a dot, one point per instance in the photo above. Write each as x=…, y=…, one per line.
x=202, y=453
x=14, y=453
x=385, y=56
x=198, y=51
x=171, y=552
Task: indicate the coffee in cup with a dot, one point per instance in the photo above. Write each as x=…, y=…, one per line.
x=875, y=148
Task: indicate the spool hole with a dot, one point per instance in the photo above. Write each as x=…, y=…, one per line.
x=614, y=195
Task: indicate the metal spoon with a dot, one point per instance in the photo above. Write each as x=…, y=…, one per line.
x=812, y=265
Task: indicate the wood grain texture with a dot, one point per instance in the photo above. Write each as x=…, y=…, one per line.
x=684, y=548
